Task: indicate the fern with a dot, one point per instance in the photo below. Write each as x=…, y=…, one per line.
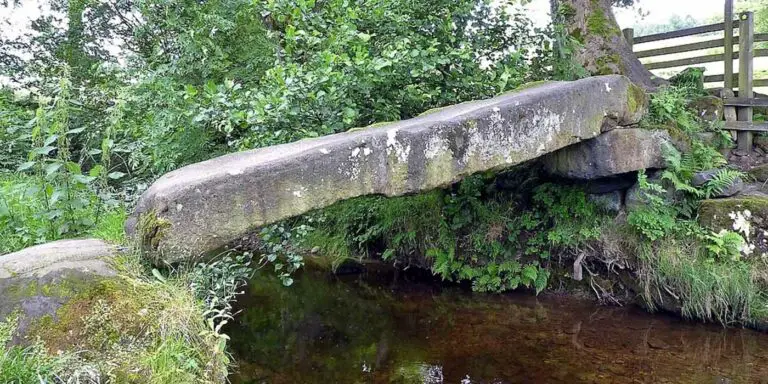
x=723, y=179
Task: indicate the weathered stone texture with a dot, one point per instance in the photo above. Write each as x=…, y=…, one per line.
x=202, y=207
x=38, y=280
x=616, y=152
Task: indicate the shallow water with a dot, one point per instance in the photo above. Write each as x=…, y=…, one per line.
x=378, y=328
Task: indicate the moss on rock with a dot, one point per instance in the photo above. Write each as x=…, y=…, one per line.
x=151, y=231
x=714, y=213
x=637, y=100
x=759, y=173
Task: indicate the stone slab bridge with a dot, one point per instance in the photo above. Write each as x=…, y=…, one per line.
x=201, y=208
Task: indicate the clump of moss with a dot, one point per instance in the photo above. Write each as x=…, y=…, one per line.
x=608, y=65
x=636, y=99
x=597, y=24
x=151, y=230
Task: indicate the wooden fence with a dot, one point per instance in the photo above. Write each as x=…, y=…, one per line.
x=737, y=110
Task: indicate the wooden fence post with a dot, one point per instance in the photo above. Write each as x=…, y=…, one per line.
x=728, y=56
x=746, y=39
x=629, y=36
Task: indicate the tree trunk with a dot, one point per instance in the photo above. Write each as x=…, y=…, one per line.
x=603, y=49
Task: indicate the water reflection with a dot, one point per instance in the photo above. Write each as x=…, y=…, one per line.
x=365, y=329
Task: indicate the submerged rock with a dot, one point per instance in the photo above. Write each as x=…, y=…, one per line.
x=203, y=207
x=613, y=153
x=38, y=280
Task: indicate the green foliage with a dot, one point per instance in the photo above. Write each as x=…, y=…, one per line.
x=691, y=79
x=496, y=239
x=276, y=249
x=724, y=290
x=682, y=263
x=656, y=218
x=15, y=139
x=53, y=198
x=725, y=245
x=669, y=108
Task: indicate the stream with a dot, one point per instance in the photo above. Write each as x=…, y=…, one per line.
x=387, y=327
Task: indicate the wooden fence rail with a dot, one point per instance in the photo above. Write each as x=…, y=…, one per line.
x=738, y=110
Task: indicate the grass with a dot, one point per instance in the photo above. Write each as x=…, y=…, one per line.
x=31, y=364
x=725, y=291
x=135, y=328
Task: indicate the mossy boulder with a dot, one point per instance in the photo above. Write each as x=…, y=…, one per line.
x=708, y=108
x=715, y=213
x=37, y=281
x=759, y=173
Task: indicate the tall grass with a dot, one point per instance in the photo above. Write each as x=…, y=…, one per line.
x=720, y=291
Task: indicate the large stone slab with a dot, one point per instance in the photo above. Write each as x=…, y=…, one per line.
x=616, y=152
x=38, y=280
x=202, y=207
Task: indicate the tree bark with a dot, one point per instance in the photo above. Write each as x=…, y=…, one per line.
x=603, y=50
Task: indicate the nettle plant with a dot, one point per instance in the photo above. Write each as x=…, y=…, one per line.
x=69, y=198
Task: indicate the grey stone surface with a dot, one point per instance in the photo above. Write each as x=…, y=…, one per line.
x=701, y=178
x=610, y=202
x=86, y=255
x=609, y=184
x=202, y=207
x=38, y=280
x=613, y=153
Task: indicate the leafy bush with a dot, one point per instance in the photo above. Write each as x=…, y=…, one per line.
x=15, y=140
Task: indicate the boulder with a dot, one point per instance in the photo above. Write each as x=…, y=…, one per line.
x=708, y=108
x=616, y=152
x=759, y=189
x=701, y=178
x=200, y=208
x=37, y=281
x=715, y=213
x=759, y=173
x=761, y=141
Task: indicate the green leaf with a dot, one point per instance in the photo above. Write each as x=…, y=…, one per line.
x=50, y=139
x=364, y=36
x=83, y=179
x=115, y=175
x=96, y=170
x=529, y=274
x=43, y=150
x=159, y=276
x=52, y=168
x=75, y=131
x=26, y=166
